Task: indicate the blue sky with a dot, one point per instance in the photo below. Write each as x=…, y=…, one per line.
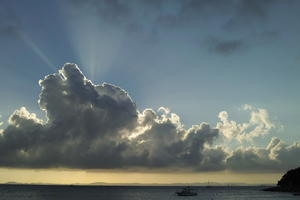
x=197, y=58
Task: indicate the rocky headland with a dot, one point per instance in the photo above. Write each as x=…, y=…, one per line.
x=289, y=182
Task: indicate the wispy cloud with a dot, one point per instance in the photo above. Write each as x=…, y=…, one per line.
x=225, y=47
x=10, y=24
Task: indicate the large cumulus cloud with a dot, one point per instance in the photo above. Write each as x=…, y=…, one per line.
x=166, y=143
x=92, y=126
x=99, y=126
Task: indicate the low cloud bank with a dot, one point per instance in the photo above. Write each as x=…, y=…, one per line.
x=92, y=126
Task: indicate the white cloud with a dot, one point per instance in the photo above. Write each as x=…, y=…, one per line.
x=258, y=125
x=1, y=123
x=23, y=114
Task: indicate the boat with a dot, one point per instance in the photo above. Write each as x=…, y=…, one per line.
x=187, y=191
x=208, y=185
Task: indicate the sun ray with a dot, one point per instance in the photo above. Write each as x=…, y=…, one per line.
x=96, y=43
x=37, y=50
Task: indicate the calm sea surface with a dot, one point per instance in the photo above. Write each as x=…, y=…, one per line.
x=26, y=192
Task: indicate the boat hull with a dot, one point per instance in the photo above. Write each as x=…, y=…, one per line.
x=186, y=194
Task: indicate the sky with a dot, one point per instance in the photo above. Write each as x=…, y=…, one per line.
x=149, y=91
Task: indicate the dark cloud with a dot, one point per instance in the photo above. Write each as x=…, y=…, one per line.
x=112, y=11
x=176, y=13
x=225, y=47
x=277, y=156
x=153, y=20
x=247, y=13
x=168, y=145
x=265, y=36
x=98, y=126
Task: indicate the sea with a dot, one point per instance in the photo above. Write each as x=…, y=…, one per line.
x=55, y=192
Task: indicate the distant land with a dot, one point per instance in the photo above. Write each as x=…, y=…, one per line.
x=142, y=184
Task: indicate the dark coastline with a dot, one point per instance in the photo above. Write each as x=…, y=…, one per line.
x=289, y=182
x=124, y=186
x=282, y=189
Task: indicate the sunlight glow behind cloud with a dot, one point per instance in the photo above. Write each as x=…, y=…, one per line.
x=95, y=42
